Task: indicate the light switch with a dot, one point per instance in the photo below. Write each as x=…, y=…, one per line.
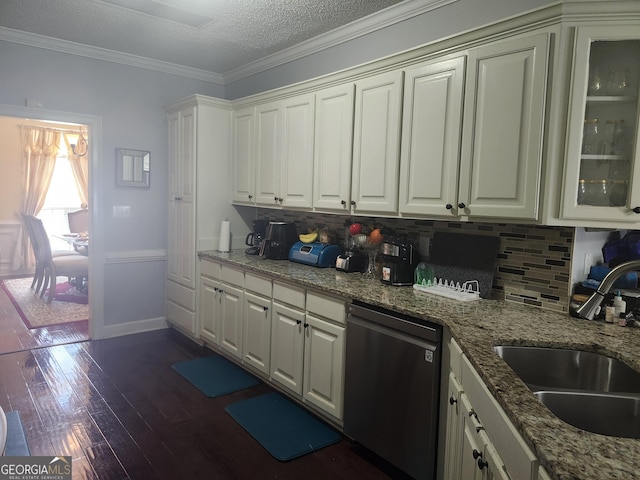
x=121, y=211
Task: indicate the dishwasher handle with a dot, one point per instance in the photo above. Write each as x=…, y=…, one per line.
x=411, y=326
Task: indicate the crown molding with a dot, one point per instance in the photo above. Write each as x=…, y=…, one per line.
x=64, y=46
x=358, y=28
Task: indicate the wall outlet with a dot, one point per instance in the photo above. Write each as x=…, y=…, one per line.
x=121, y=211
x=588, y=262
x=32, y=102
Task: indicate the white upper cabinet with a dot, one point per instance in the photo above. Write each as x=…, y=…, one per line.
x=431, y=129
x=268, y=151
x=296, y=175
x=333, y=148
x=376, y=149
x=243, y=156
x=284, y=152
x=502, y=142
x=602, y=178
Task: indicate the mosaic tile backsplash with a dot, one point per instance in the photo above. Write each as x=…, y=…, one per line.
x=533, y=264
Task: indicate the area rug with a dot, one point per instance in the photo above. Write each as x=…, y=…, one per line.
x=36, y=313
x=284, y=429
x=215, y=375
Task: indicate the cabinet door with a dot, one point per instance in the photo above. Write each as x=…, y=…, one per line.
x=431, y=129
x=231, y=323
x=602, y=178
x=491, y=463
x=324, y=352
x=181, y=255
x=243, y=156
x=471, y=445
x=333, y=148
x=500, y=169
x=257, y=331
x=455, y=425
x=287, y=344
x=268, y=150
x=376, y=149
x=210, y=305
x=296, y=171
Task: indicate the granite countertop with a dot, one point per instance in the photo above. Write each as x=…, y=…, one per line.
x=565, y=451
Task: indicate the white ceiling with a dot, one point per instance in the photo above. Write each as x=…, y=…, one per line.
x=222, y=39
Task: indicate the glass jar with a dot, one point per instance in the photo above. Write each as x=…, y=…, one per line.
x=618, y=143
x=583, y=196
x=591, y=136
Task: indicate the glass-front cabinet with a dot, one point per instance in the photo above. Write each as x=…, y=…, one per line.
x=602, y=169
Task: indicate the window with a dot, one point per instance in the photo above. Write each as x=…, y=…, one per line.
x=62, y=197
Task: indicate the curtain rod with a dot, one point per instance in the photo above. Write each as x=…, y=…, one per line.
x=84, y=131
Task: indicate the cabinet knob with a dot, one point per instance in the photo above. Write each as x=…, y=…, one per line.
x=265, y=308
x=250, y=196
x=353, y=203
x=280, y=199
x=452, y=401
x=476, y=454
x=216, y=289
x=178, y=199
x=298, y=322
x=306, y=325
x=448, y=206
x=461, y=205
x=275, y=198
x=343, y=202
x=636, y=210
x=482, y=464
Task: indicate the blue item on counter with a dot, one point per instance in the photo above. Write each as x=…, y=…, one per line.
x=317, y=254
x=598, y=272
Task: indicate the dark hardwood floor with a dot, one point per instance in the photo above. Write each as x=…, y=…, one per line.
x=120, y=411
x=15, y=336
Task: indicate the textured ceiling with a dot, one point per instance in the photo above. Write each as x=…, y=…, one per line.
x=216, y=36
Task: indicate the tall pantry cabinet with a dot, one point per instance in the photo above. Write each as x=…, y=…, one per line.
x=199, y=130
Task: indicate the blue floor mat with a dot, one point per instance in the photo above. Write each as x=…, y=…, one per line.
x=215, y=375
x=285, y=429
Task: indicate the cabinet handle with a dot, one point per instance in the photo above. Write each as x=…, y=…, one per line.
x=298, y=322
x=343, y=202
x=265, y=308
x=275, y=198
x=452, y=401
x=280, y=199
x=216, y=289
x=476, y=454
x=482, y=464
x=221, y=291
x=250, y=196
x=448, y=206
x=177, y=199
x=461, y=205
x=636, y=210
x=353, y=203
x=306, y=325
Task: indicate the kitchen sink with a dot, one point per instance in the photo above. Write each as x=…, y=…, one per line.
x=555, y=368
x=606, y=414
x=588, y=390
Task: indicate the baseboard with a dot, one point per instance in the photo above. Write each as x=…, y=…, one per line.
x=138, y=326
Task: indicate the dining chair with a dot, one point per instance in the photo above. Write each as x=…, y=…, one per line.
x=78, y=221
x=38, y=276
x=66, y=265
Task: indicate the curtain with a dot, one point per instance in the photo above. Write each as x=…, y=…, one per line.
x=39, y=151
x=79, y=161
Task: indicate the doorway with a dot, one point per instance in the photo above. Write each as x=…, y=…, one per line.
x=94, y=130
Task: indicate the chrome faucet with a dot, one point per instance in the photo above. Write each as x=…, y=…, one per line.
x=589, y=308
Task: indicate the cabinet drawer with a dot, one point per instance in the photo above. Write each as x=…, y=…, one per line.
x=232, y=276
x=210, y=269
x=289, y=294
x=332, y=309
x=257, y=284
x=181, y=295
x=181, y=317
x=518, y=458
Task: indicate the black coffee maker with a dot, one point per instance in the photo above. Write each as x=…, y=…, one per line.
x=255, y=237
x=278, y=240
x=399, y=258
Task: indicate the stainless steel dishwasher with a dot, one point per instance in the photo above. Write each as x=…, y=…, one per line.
x=392, y=383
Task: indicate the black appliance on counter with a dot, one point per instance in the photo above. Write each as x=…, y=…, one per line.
x=399, y=258
x=255, y=237
x=278, y=240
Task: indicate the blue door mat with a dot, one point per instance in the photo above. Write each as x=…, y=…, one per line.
x=284, y=429
x=16, y=440
x=215, y=375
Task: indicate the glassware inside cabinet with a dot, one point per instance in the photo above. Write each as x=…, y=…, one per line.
x=610, y=123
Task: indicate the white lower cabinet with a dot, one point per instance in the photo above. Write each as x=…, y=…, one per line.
x=481, y=442
x=231, y=318
x=257, y=323
x=210, y=302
